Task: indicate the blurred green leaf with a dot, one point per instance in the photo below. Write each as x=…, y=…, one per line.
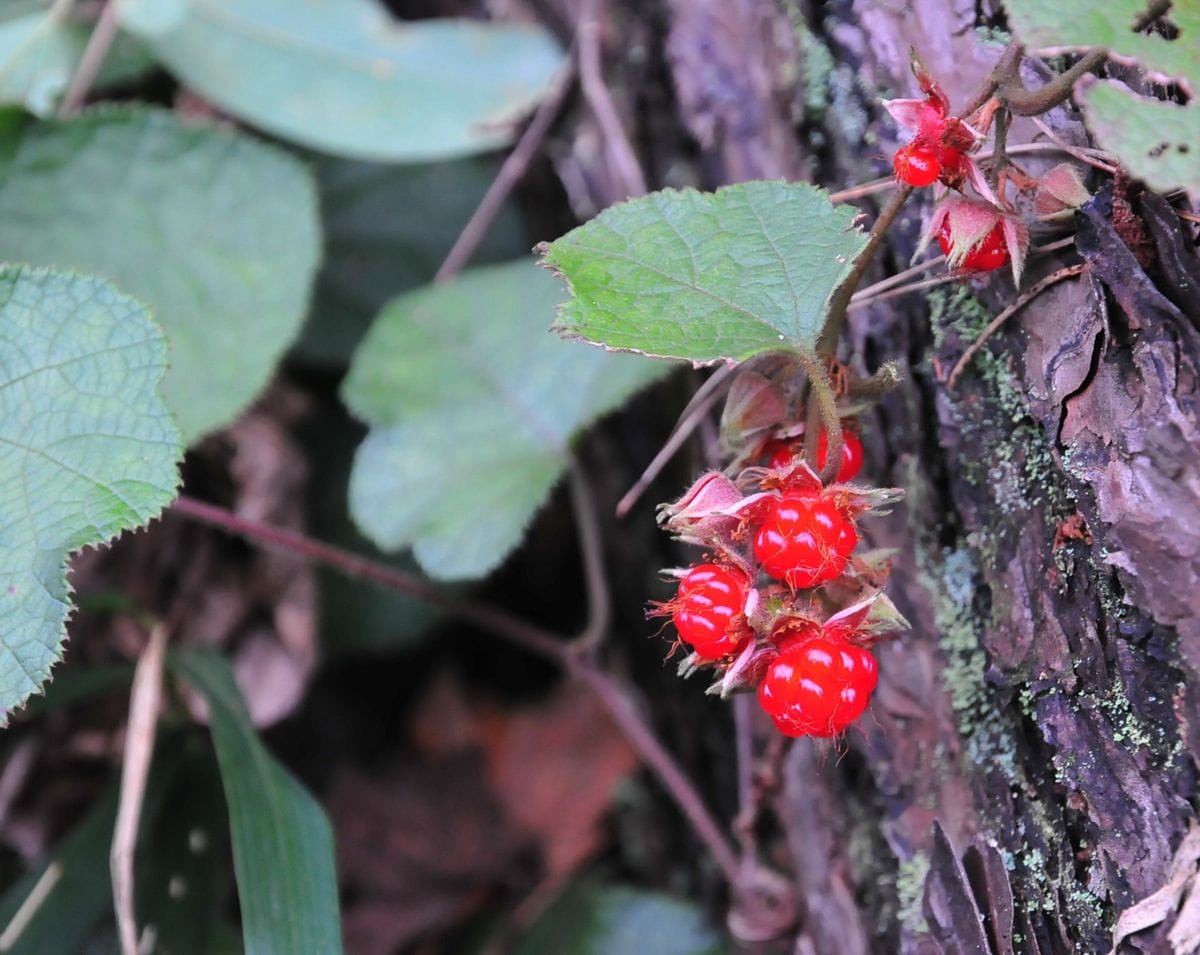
x=217, y=232
x=590, y=918
x=472, y=406
x=706, y=276
x=1156, y=141
x=182, y=856
x=282, y=842
x=76, y=894
x=355, y=616
x=38, y=53
x=387, y=229
x=347, y=79
x=40, y=48
x=87, y=449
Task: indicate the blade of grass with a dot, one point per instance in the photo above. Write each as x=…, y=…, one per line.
x=282, y=842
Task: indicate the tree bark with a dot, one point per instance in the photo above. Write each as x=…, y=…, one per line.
x=1028, y=770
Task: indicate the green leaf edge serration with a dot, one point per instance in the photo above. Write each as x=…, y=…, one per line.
x=547, y=260
x=14, y=270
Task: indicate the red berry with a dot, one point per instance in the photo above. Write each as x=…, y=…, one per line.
x=804, y=540
x=709, y=598
x=916, y=164
x=852, y=454
x=818, y=686
x=782, y=453
x=987, y=256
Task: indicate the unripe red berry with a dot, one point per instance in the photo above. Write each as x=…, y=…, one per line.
x=804, y=540
x=852, y=454
x=709, y=598
x=917, y=164
x=781, y=453
x=987, y=256
x=817, y=686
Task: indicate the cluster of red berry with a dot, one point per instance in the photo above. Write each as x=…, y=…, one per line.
x=763, y=609
x=974, y=235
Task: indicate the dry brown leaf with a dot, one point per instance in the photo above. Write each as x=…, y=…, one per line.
x=1157, y=906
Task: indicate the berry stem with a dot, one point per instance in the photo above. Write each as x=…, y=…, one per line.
x=999, y=154
x=822, y=411
x=838, y=303
x=516, y=631
x=1022, y=102
x=591, y=549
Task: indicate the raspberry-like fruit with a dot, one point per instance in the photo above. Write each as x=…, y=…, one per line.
x=782, y=453
x=804, y=540
x=917, y=164
x=710, y=597
x=988, y=255
x=852, y=454
x=818, y=686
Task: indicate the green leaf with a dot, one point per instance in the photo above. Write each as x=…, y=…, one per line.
x=594, y=919
x=40, y=49
x=74, y=887
x=217, y=232
x=347, y=79
x=282, y=842
x=87, y=449
x=387, y=229
x=706, y=276
x=472, y=407
x=1158, y=142
x=38, y=52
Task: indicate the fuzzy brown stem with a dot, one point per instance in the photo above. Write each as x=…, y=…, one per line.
x=827, y=342
x=1023, y=102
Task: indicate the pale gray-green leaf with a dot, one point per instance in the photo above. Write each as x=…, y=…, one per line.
x=346, y=78
x=215, y=231
x=87, y=449
x=387, y=229
x=40, y=48
x=590, y=918
x=706, y=276
x=1156, y=141
x=282, y=842
x=38, y=52
x=472, y=406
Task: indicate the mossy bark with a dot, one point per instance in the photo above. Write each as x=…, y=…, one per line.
x=1028, y=770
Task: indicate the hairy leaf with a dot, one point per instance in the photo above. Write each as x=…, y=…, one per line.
x=705, y=276
x=1158, y=142
x=347, y=79
x=472, y=407
x=217, y=232
x=87, y=449
x=282, y=842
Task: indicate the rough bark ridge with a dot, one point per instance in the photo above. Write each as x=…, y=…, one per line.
x=1030, y=770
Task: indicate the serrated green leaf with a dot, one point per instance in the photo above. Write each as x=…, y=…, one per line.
x=706, y=276
x=87, y=449
x=347, y=79
x=1156, y=141
x=387, y=229
x=282, y=842
x=590, y=918
x=473, y=405
x=215, y=231
x=1082, y=24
